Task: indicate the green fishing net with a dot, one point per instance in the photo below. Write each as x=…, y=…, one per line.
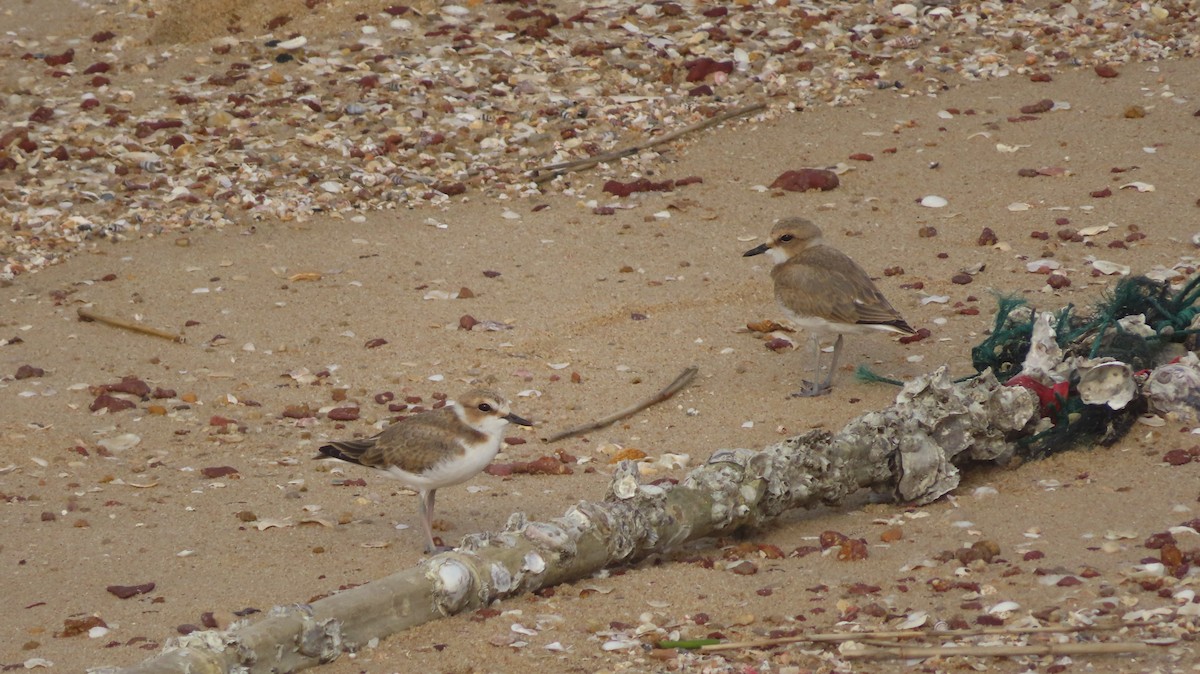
x=1168, y=318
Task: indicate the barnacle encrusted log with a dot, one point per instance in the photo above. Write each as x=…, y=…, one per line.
x=908, y=450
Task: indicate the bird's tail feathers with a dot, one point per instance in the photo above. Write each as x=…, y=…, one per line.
x=349, y=451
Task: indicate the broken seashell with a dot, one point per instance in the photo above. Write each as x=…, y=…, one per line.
x=1106, y=381
x=294, y=43
x=120, y=443
x=1175, y=388
x=1139, y=186
x=1110, y=268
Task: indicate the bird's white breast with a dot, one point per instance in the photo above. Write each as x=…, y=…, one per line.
x=820, y=327
x=452, y=469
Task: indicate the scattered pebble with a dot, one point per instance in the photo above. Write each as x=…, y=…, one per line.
x=803, y=180
x=127, y=591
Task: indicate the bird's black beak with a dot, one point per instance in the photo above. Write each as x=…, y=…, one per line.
x=520, y=421
x=758, y=250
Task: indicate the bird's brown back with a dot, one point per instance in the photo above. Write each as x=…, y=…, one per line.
x=824, y=282
x=414, y=444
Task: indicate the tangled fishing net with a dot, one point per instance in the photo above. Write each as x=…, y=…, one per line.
x=1096, y=371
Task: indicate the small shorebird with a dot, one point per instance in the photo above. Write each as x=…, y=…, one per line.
x=825, y=292
x=434, y=449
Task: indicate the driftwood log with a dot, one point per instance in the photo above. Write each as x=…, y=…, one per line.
x=909, y=450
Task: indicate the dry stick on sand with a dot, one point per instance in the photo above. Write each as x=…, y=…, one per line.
x=914, y=634
x=671, y=389
x=553, y=171
x=89, y=315
x=1003, y=651
x=903, y=450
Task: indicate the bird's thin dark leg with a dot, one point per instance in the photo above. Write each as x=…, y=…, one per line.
x=837, y=351
x=426, y=508
x=811, y=388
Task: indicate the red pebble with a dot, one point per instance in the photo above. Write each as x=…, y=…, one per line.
x=1177, y=457
x=701, y=68
x=29, y=372
x=1044, y=105
x=803, y=180
x=42, y=114
x=922, y=333
x=1106, y=71
x=621, y=189
x=778, y=344
x=60, y=59
x=127, y=591
x=110, y=403
x=343, y=414
x=214, y=472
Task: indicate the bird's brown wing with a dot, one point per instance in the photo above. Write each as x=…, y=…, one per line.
x=420, y=442
x=824, y=282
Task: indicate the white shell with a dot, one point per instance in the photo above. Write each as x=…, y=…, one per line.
x=624, y=487
x=1042, y=263
x=1136, y=324
x=534, y=563
x=502, y=580
x=1139, y=186
x=913, y=621
x=1110, y=268
x=934, y=201
x=1044, y=362
x=1004, y=607
x=294, y=43
x=1095, y=229
x=1106, y=382
x=1175, y=388
x=452, y=580
x=120, y=443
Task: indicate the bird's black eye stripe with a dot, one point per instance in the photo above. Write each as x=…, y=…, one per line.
x=786, y=237
x=484, y=407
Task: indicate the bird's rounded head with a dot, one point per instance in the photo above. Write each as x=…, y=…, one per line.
x=486, y=410
x=789, y=237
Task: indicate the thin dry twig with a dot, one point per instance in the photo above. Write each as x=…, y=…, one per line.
x=89, y=315
x=1002, y=651
x=552, y=171
x=674, y=387
x=913, y=634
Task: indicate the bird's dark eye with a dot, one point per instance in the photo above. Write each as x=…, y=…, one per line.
x=484, y=407
x=786, y=237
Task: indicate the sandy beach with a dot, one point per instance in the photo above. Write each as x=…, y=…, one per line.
x=332, y=215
